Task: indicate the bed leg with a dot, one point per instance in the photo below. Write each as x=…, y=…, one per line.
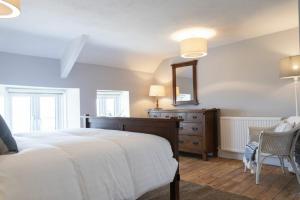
x=174, y=188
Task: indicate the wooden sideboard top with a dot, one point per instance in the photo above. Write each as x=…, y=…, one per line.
x=184, y=110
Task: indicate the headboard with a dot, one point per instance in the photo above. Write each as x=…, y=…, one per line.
x=166, y=128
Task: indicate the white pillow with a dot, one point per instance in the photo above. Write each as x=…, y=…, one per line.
x=283, y=127
x=293, y=120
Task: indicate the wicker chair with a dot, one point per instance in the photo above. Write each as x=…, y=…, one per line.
x=271, y=143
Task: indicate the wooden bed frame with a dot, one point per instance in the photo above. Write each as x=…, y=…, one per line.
x=166, y=128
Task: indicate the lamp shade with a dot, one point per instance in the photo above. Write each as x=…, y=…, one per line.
x=290, y=67
x=157, y=91
x=193, y=48
x=9, y=8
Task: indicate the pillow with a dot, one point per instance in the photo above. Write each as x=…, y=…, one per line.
x=7, y=142
x=284, y=126
x=293, y=120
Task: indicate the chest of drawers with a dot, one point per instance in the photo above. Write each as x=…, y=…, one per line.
x=198, y=131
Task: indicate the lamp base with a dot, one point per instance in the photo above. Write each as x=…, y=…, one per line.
x=157, y=105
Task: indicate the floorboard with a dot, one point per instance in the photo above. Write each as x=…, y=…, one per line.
x=227, y=175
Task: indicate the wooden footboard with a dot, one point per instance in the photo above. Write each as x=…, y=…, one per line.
x=166, y=128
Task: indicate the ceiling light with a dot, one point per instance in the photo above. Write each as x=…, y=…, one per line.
x=9, y=8
x=195, y=32
x=193, y=48
x=193, y=41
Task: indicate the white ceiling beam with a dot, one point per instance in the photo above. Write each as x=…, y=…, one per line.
x=71, y=55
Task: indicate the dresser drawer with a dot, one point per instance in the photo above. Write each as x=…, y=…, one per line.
x=166, y=115
x=191, y=128
x=154, y=115
x=196, y=117
x=189, y=143
x=180, y=115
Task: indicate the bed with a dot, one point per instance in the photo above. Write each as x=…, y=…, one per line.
x=112, y=158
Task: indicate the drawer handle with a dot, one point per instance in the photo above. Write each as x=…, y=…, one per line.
x=194, y=117
x=181, y=142
x=195, y=129
x=195, y=143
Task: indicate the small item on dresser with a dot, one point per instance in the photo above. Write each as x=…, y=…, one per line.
x=7, y=142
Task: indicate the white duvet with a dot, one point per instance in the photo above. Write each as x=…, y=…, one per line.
x=86, y=164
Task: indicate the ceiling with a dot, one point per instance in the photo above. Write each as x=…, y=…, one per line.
x=135, y=34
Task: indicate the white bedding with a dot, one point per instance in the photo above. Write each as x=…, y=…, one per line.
x=86, y=164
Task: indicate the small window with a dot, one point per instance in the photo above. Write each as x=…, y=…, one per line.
x=112, y=103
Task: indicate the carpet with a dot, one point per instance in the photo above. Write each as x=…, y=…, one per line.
x=191, y=191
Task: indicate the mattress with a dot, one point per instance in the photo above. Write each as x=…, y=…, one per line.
x=86, y=164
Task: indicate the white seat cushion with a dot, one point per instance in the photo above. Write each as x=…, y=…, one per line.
x=284, y=126
x=293, y=120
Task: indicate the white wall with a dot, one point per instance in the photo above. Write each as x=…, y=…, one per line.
x=44, y=72
x=242, y=78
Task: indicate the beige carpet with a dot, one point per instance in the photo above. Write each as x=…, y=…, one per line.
x=191, y=191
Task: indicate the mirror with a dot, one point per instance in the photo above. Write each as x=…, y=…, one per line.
x=185, y=83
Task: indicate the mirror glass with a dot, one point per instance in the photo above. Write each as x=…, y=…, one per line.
x=184, y=83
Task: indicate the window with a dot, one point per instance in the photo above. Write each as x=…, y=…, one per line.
x=28, y=109
x=35, y=110
x=112, y=103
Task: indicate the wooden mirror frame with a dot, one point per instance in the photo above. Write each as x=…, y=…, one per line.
x=194, y=101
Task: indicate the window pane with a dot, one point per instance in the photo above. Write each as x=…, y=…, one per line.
x=110, y=107
x=47, y=113
x=21, y=115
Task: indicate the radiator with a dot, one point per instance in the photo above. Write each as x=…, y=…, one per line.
x=234, y=130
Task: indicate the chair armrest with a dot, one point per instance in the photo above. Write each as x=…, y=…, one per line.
x=254, y=132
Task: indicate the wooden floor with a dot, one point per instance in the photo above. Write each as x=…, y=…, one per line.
x=227, y=175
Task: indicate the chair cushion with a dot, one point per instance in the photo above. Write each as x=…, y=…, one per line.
x=293, y=120
x=7, y=142
x=284, y=126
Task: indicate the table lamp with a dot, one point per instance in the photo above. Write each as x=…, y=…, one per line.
x=157, y=91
